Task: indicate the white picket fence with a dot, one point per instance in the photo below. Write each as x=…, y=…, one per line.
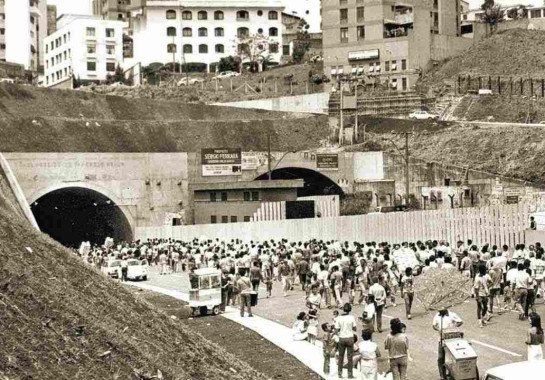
x=494, y=224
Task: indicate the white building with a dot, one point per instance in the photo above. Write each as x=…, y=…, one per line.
x=85, y=47
x=203, y=31
x=23, y=25
x=308, y=10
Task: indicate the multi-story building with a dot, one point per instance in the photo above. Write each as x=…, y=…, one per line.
x=119, y=10
x=204, y=31
x=84, y=47
x=51, y=19
x=389, y=40
x=22, y=29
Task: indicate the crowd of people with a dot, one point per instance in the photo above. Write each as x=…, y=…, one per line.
x=339, y=275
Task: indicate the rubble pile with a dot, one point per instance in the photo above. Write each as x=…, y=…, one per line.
x=440, y=289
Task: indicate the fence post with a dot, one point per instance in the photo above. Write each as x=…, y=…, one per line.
x=459, y=85
x=231, y=83
x=275, y=87
x=511, y=86
x=531, y=87
x=307, y=87
x=543, y=88
x=489, y=82
x=521, y=86
x=468, y=83
x=499, y=85
x=480, y=83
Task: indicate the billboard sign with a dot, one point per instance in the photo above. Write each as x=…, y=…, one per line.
x=327, y=161
x=362, y=55
x=221, y=162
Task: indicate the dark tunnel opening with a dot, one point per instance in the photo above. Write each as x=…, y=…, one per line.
x=315, y=183
x=74, y=214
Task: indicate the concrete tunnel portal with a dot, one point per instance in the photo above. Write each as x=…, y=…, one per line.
x=74, y=214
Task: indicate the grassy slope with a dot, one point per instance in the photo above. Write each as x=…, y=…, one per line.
x=60, y=317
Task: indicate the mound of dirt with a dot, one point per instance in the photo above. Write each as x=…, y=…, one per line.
x=61, y=319
x=516, y=52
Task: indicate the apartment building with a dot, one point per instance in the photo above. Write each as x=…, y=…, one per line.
x=85, y=47
x=119, y=10
x=23, y=26
x=204, y=31
x=387, y=40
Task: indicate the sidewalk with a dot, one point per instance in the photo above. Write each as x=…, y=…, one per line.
x=280, y=335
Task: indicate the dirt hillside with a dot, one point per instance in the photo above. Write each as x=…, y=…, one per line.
x=60, y=319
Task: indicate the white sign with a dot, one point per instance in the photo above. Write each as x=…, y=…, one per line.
x=368, y=166
x=363, y=54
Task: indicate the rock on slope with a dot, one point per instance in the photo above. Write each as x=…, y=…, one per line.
x=60, y=319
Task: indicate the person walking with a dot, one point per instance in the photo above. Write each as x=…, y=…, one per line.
x=397, y=345
x=369, y=353
x=329, y=345
x=448, y=321
x=345, y=325
x=522, y=282
x=534, y=338
x=408, y=291
x=124, y=269
x=379, y=294
x=244, y=287
x=482, y=293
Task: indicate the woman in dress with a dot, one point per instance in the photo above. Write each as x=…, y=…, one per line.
x=369, y=354
x=534, y=338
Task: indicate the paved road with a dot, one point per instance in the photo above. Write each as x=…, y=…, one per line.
x=501, y=342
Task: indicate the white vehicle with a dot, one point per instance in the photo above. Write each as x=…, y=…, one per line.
x=227, y=74
x=112, y=268
x=7, y=80
x=422, y=115
x=137, y=269
x=205, y=291
x=517, y=371
x=191, y=81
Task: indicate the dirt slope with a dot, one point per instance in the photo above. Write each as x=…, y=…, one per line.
x=60, y=319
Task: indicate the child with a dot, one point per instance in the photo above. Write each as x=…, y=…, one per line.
x=312, y=328
x=329, y=345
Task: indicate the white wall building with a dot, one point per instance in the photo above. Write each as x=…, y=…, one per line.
x=85, y=47
x=22, y=32
x=309, y=10
x=203, y=31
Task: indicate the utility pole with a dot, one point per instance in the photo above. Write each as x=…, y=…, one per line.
x=356, y=126
x=407, y=162
x=341, y=124
x=269, y=152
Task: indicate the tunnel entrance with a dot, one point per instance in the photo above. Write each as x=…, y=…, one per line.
x=74, y=214
x=315, y=183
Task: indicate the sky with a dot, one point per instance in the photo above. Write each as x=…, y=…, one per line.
x=83, y=6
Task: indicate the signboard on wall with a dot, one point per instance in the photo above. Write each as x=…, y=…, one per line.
x=221, y=162
x=327, y=161
x=362, y=55
x=368, y=166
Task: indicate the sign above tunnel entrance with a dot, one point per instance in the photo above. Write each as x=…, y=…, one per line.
x=327, y=161
x=221, y=162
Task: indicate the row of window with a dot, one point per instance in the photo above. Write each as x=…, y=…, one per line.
x=225, y=219
x=343, y=15
x=92, y=66
x=91, y=32
x=249, y=196
x=373, y=67
x=58, y=58
x=57, y=42
x=388, y=33
x=92, y=48
x=218, y=15
x=218, y=48
x=218, y=32
x=57, y=75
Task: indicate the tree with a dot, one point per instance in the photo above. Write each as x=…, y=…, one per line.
x=301, y=44
x=229, y=64
x=493, y=14
x=253, y=48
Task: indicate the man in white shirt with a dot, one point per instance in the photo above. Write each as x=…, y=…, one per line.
x=444, y=321
x=522, y=281
x=345, y=325
x=379, y=293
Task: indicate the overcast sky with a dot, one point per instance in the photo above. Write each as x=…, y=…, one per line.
x=83, y=6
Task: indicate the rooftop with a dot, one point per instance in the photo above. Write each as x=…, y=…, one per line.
x=218, y=3
x=244, y=185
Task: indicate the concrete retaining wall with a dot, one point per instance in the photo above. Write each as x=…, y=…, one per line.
x=311, y=103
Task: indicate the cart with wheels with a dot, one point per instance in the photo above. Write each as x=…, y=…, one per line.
x=205, y=291
x=460, y=358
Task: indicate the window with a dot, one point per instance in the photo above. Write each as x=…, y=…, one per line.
x=91, y=48
x=223, y=196
x=224, y=219
x=110, y=66
x=91, y=66
x=243, y=16
x=260, y=31
x=110, y=32
x=203, y=49
x=343, y=2
x=273, y=32
x=171, y=14
x=171, y=31
x=203, y=32
x=187, y=32
x=394, y=66
x=285, y=49
x=403, y=64
x=344, y=35
x=188, y=49
x=202, y=15
x=246, y=196
x=218, y=32
x=404, y=84
x=220, y=48
x=343, y=15
x=255, y=195
x=212, y=196
x=90, y=32
x=273, y=15
x=360, y=14
x=535, y=13
x=260, y=13
x=243, y=32
x=273, y=48
x=110, y=50
x=171, y=48
x=64, y=38
x=247, y=218
x=213, y=219
x=360, y=32
x=218, y=15
x=233, y=219
x=187, y=15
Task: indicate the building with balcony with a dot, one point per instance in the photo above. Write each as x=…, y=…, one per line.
x=204, y=31
x=119, y=10
x=389, y=41
x=84, y=47
x=23, y=26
